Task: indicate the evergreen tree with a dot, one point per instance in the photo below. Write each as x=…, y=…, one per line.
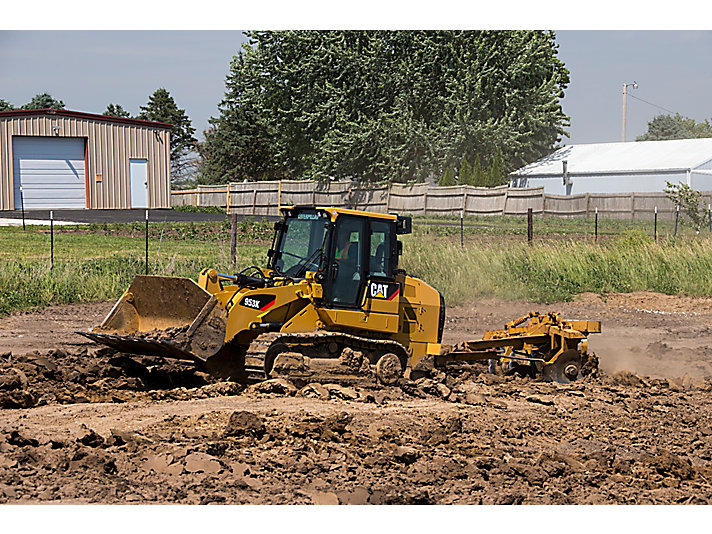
x=496, y=174
x=465, y=175
x=116, y=110
x=385, y=104
x=448, y=177
x=676, y=126
x=479, y=177
x=5, y=105
x=239, y=143
x=162, y=108
x=43, y=101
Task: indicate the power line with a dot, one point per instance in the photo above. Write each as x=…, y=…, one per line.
x=650, y=103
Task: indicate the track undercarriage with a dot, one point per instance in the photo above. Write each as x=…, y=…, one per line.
x=324, y=356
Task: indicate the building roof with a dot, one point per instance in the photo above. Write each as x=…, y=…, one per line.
x=611, y=158
x=83, y=115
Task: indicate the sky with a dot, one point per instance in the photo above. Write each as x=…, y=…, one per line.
x=87, y=70
x=672, y=69
x=90, y=69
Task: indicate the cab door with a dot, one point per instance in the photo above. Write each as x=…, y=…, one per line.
x=382, y=290
x=361, y=292
x=347, y=272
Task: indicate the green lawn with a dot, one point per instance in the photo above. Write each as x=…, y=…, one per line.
x=98, y=262
x=481, y=227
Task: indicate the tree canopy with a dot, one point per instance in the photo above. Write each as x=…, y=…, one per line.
x=43, y=101
x=395, y=105
x=676, y=126
x=162, y=107
x=39, y=101
x=116, y=110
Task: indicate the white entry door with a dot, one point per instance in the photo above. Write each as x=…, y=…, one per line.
x=50, y=171
x=139, y=183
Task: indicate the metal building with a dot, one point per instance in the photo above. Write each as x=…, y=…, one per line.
x=55, y=158
x=642, y=166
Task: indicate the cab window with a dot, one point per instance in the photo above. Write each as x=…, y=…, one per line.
x=380, y=257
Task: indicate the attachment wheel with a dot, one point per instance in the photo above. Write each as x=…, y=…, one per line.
x=566, y=368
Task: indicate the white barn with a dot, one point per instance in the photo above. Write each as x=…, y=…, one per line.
x=642, y=166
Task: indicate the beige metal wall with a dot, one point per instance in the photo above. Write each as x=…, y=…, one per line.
x=109, y=148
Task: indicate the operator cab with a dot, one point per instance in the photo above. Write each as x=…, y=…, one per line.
x=299, y=242
x=350, y=251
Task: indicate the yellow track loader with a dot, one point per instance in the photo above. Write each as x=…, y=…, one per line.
x=331, y=301
x=331, y=304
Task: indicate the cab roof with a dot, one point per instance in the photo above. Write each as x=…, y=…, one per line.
x=335, y=212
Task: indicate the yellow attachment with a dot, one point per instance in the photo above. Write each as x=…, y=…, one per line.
x=531, y=334
x=155, y=303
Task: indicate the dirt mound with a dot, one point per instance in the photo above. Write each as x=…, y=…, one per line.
x=91, y=375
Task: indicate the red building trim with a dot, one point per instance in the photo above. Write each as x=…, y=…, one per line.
x=83, y=115
x=86, y=171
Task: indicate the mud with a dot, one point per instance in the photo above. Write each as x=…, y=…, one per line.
x=82, y=424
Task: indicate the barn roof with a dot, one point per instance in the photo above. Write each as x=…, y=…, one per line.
x=609, y=158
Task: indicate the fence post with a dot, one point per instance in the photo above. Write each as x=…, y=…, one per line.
x=656, y=224
x=51, y=241
x=279, y=196
x=233, y=239
x=254, y=202
x=595, y=231
x=677, y=216
x=425, y=201
x=464, y=200
x=709, y=216
x=227, y=202
x=22, y=205
x=388, y=198
x=530, y=224
x=504, y=204
x=632, y=206
x=146, y=242
x=462, y=229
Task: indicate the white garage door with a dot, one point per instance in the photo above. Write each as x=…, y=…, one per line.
x=51, y=172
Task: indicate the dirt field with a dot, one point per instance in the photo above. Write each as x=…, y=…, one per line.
x=81, y=424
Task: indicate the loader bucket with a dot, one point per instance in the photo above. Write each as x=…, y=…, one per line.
x=164, y=316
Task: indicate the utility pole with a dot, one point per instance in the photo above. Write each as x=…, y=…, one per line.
x=625, y=94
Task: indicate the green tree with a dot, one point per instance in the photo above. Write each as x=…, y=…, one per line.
x=664, y=127
x=395, y=105
x=239, y=144
x=448, y=177
x=162, y=107
x=5, y=105
x=496, y=174
x=479, y=177
x=687, y=200
x=464, y=176
x=43, y=101
x=116, y=110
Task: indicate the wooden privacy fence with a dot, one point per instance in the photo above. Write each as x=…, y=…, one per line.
x=264, y=198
